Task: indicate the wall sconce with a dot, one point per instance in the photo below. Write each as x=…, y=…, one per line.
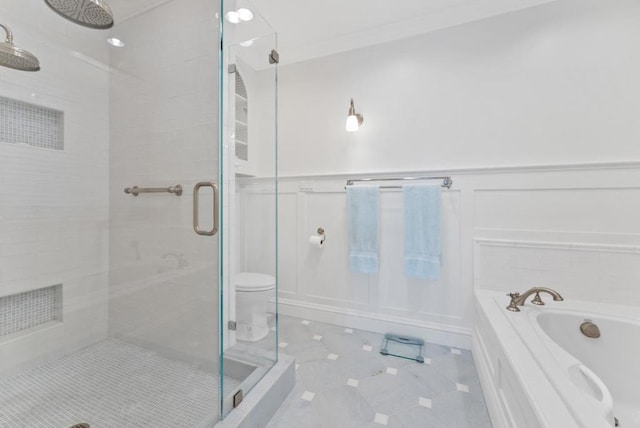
x=354, y=120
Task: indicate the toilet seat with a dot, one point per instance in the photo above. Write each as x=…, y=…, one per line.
x=251, y=282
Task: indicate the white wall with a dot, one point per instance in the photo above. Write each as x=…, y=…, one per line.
x=164, y=111
x=553, y=84
x=54, y=204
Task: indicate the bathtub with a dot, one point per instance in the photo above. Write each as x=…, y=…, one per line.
x=538, y=370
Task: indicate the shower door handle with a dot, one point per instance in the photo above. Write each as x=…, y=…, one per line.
x=196, y=208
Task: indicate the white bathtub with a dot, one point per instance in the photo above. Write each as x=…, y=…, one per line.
x=538, y=370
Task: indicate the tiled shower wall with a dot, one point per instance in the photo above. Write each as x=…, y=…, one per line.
x=54, y=203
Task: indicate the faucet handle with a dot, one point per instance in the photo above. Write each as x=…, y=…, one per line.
x=513, y=307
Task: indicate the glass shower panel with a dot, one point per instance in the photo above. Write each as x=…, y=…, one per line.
x=249, y=340
x=54, y=210
x=109, y=300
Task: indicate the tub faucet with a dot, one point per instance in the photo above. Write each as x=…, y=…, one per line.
x=518, y=299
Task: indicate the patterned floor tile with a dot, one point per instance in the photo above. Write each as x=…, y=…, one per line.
x=352, y=389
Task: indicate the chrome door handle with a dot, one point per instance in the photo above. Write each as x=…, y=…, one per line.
x=196, y=206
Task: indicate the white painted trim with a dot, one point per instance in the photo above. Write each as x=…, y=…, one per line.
x=447, y=335
x=576, y=246
x=592, y=166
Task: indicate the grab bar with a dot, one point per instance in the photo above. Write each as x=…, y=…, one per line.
x=135, y=190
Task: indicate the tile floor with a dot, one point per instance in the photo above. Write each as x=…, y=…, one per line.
x=343, y=381
x=110, y=384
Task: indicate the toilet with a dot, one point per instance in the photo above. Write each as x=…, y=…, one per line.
x=253, y=290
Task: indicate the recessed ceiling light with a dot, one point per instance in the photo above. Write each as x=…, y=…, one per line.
x=233, y=17
x=113, y=41
x=245, y=14
x=238, y=16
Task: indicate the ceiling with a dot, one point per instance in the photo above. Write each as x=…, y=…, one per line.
x=125, y=9
x=308, y=29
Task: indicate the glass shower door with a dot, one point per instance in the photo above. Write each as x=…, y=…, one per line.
x=164, y=247
x=249, y=216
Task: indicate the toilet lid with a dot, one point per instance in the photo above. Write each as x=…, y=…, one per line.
x=251, y=281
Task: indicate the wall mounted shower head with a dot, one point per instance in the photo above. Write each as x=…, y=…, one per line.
x=13, y=57
x=89, y=13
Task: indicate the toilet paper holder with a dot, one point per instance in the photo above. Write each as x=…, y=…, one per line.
x=321, y=233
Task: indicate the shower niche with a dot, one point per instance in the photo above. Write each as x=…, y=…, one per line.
x=28, y=311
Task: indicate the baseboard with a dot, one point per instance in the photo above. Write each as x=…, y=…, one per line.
x=441, y=334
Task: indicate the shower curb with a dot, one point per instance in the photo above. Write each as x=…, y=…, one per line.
x=262, y=402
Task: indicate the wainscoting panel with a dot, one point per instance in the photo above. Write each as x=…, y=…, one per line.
x=325, y=271
x=605, y=210
x=414, y=298
x=572, y=227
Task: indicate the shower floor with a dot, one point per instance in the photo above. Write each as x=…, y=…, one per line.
x=110, y=384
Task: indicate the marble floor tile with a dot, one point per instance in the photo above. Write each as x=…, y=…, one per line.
x=424, y=402
x=462, y=410
x=457, y=368
x=381, y=419
x=353, y=382
x=308, y=396
x=393, y=394
x=351, y=389
x=343, y=407
x=418, y=417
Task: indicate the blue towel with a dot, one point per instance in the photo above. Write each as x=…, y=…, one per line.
x=363, y=214
x=422, y=231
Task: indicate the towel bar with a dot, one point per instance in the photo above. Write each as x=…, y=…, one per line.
x=446, y=181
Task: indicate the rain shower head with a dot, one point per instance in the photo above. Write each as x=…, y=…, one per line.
x=89, y=13
x=13, y=57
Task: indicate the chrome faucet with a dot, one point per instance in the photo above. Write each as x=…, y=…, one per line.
x=518, y=299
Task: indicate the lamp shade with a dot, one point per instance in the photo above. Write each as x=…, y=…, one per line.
x=352, y=123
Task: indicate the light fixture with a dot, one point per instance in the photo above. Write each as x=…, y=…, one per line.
x=237, y=16
x=354, y=120
x=233, y=17
x=245, y=14
x=114, y=41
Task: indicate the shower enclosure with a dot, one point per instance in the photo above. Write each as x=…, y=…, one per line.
x=123, y=167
